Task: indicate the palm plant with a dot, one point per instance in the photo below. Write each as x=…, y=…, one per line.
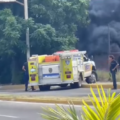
x=107, y=107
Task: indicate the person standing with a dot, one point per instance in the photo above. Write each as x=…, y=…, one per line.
x=26, y=76
x=113, y=70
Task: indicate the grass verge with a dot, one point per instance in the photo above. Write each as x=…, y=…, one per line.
x=52, y=100
x=105, y=76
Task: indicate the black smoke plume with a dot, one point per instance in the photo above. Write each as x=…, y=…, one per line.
x=105, y=24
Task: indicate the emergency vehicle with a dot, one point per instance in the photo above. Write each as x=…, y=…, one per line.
x=61, y=68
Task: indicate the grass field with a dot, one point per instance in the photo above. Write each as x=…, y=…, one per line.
x=105, y=76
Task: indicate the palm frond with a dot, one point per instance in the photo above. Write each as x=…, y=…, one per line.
x=107, y=107
x=60, y=113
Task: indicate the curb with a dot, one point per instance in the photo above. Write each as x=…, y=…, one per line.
x=52, y=100
x=104, y=85
x=84, y=85
x=14, y=87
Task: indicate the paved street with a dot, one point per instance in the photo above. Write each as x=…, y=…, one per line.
x=23, y=111
x=56, y=91
x=31, y=111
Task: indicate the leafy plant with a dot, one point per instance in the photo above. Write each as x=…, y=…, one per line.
x=107, y=107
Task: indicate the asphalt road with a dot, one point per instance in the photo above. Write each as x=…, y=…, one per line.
x=24, y=111
x=56, y=91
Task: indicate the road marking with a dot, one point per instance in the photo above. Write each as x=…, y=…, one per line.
x=8, y=116
x=41, y=104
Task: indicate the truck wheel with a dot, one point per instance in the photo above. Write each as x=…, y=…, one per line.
x=92, y=78
x=96, y=75
x=47, y=87
x=94, y=71
x=87, y=80
x=43, y=88
x=74, y=85
x=64, y=85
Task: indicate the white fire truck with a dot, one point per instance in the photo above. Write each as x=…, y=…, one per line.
x=61, y=68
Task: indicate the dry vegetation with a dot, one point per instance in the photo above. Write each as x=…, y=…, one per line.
x=105, y=76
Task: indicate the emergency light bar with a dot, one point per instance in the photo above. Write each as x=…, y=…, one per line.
x=70, y=53
x=34, y=55
x=67, y=51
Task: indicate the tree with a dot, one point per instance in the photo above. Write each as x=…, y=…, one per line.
x=53, y=25
x=10, y=45
x=63, y=16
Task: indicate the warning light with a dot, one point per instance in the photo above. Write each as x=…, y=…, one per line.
x=68, y=76
x=33, y=77
x=74, y=50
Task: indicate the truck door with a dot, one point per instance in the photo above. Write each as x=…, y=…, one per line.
x=66, y=68
x=33, y=72
x=80, y=63
x=87, y=67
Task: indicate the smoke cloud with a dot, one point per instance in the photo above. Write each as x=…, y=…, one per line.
x=104, y=13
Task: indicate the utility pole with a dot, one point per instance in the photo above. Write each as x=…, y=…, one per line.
x=109, y=40
x=27, y=30
x=109, y=51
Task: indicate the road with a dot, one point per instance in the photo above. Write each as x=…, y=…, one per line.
x=24, y=111
x=31, y=111
x=56, y=91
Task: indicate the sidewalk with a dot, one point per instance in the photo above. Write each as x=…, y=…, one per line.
x=105, y=85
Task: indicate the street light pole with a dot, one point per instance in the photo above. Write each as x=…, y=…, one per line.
x=109, y=50
x=27, y=30
x=109, y=41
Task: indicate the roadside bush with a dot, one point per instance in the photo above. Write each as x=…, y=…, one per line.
x=107, y=107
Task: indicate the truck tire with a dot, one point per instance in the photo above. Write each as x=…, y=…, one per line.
x=44, y=88
x=74, y=85
x=77, y=84
x=92, y=78
x=94, y=70
x=95, y=73
x=63, y=85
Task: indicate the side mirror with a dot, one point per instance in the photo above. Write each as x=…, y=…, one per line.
x=87, y=59
x=92, y=57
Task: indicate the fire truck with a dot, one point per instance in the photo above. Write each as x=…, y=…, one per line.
x=62, y=68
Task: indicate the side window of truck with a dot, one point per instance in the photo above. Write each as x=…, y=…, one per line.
x=85, y=59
